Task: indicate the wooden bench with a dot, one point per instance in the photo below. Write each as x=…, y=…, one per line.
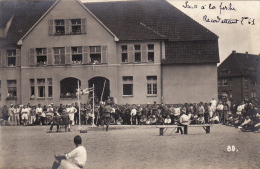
x=164, y=128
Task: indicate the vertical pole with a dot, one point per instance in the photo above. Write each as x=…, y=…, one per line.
x=79, y=104
x=93, y=116
x=103, y=90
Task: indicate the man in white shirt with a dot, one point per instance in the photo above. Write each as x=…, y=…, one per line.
x=71, y=111
x=133, y=115
x=76, y=159
x=213, y=104
x=184, y=121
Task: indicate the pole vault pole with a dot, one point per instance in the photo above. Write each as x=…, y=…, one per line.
x=93, y=116
x=79, y=106
x=103, y=90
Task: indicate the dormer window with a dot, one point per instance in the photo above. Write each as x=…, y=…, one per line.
x=76, y=25
x=60, y=26
x=11, y=57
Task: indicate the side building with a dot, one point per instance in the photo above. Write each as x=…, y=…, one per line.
x=239, y=77
x=121, y=48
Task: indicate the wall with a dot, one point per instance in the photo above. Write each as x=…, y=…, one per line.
x=189, y=83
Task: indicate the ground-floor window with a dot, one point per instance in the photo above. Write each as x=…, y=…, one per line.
x=11, y=88
x=32, y=89
x=41, y=87
x=68, y=87
x=151, y=85
x=253, y=94
x=127, y=85
x=49, y=87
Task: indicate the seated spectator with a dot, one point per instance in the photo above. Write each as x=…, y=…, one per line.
x=168, y=120
x=201, y=120
x=215, y=119
x=160, y=120
x=153, y=120
x=148, y=121
x=119, y=121
x=143, y=120
x=246, y=124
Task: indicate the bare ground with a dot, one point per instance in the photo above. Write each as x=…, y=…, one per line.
x=131, y=147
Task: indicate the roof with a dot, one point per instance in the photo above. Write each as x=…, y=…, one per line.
x=26, y=14
x=191, y=52
x=240, y=64
x=148, y=19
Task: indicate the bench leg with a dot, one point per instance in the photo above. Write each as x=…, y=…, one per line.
x=185, y=129
x=207, y=129
x=161, y=131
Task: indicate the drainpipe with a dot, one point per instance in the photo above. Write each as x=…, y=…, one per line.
x=161, y=71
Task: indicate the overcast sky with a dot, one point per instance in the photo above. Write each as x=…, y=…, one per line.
x=242, y=38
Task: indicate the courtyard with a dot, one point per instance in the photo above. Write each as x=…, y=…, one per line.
x=131, y=147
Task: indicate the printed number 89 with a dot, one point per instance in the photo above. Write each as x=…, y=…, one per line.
x=231, y=148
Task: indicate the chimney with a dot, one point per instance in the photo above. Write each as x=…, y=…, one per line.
x=233, y=51
x=247, y=55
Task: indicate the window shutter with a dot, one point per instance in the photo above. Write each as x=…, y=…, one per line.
x=51, y=22
x=49, y=56
x=3, y=59
x=144, y=55
x=32, y=57
x=18, y=57
x=67, y=26
x=68, y=56
x=103, y=54
x=130, y=53
x=86, y=57
x=84, y=25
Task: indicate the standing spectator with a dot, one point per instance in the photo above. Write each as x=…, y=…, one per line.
x=225, y=113
x=133, y=115
x=38, y=114
x=76, y=116
x=16, y=115
x=5, y=113
x=220, y=108
x=33, y=115
x=11, y=114
x=213, y=104
x=138, y=114
x=201, y=110
x=184, y=121
x=210, y=110
x=107, y=111
x=206, y=114
x=24, y=113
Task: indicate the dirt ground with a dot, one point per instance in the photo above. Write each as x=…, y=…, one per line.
x=131, y=147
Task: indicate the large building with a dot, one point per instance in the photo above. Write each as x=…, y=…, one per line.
x=141, y=51
x=239, y=76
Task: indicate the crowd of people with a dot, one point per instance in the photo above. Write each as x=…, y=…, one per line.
x=244, y=115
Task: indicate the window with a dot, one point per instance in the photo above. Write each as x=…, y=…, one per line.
x=68, y=87
x=230, y=81
x=253, y=94
x=11, y=57
x=41, y=87
x=230, y=93
x=151, y=85
x=59, y=27
x=76, y=25
x=0, y=90
x=150, y=53
x=95, y=54
x=59, y=56
x=124, y=53
x=224, y=72
x=76, y=55
x=128, y=85
x=11, y=89
x=32, y=89
x=224, y=82
x=137, y=53
x=41, y=54
x=49, y=87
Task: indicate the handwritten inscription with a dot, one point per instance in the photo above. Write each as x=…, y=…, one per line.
x=218, y=19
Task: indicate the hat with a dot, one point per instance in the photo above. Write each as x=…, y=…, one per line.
x=49, y=105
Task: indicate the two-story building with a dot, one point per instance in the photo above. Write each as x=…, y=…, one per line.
x=133, y=51
x=239, y=76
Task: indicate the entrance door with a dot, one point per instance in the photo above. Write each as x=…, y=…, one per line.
x=99, y=83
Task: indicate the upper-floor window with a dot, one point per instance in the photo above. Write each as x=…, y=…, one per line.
x=60, y=26
x=76, y=55
x=41, y=54
x=11, y=57
x=253, y=94
x=150, y=52
x=224, y=82
x=95, y=54
x=137, y=53
x=59, y=56
x=124, y=53
x=76, y=25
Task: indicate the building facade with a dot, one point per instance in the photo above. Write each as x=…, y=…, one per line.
x=239, y=77
x=119, y=47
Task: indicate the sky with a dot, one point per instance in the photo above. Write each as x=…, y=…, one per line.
x=238, y=37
